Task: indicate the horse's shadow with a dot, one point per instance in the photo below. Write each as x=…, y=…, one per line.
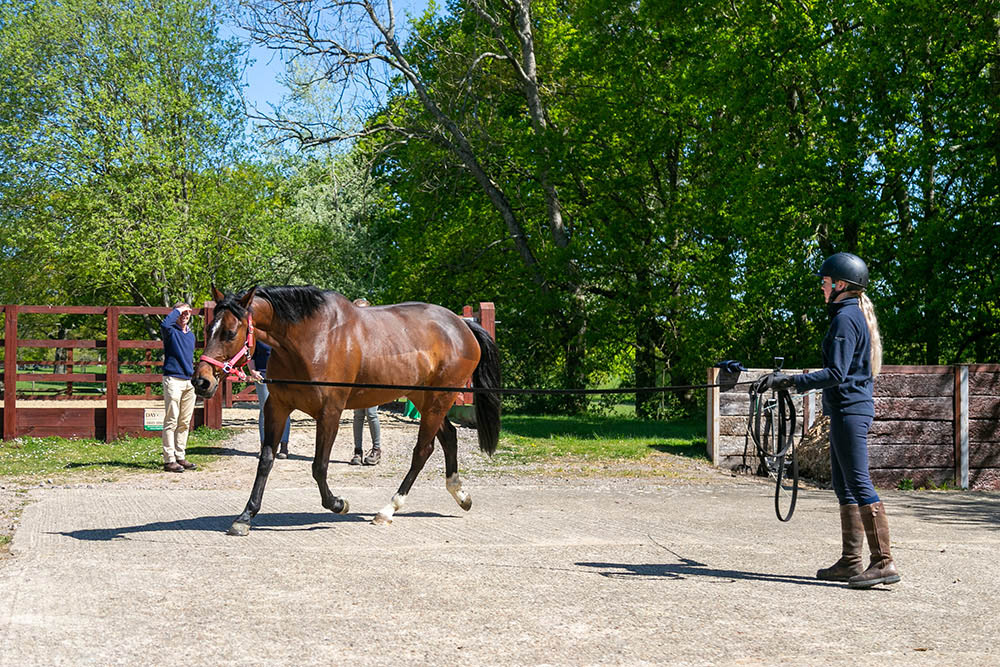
x=691, y=568
x=307, y=521
x=219, y=523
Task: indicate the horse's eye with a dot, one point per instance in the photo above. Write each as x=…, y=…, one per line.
x=229, y=335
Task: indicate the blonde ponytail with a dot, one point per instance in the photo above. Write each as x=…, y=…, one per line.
x=868, y=309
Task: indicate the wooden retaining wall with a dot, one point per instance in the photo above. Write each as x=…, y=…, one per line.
x=933, y=424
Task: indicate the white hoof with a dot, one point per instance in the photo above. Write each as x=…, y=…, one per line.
x=382, y=519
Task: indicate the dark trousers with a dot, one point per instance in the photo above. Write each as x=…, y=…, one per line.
x=849, y=459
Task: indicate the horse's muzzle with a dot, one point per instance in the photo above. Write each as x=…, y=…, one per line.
x=204, y=387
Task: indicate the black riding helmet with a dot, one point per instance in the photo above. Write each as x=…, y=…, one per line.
x=847, y=267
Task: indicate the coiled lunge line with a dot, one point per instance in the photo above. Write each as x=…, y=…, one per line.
x=773, y=437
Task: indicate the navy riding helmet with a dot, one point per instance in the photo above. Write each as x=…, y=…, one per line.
x=847, y=267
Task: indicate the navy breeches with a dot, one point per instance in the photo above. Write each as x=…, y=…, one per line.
x=849, y=459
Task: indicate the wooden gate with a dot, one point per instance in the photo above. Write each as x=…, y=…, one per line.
x=108, y=421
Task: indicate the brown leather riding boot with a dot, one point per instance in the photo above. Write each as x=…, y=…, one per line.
x=881, y=570
x=852, y=534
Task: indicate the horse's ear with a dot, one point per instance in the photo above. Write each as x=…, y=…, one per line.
x=248, y=297
x=217, y=295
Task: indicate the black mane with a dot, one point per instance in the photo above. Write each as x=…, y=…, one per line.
x=231, y=303
x=293, y=302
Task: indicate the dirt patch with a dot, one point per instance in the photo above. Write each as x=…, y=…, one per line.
x=13, y=498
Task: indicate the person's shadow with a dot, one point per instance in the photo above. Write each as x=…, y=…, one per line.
x=691, y=568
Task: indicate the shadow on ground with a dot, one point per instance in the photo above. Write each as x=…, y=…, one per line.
x=690, y=568
x=973, y=509
x=221, y=524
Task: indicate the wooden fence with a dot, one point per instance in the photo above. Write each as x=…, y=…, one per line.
x=109, y=422
x=933, y=424
x=112, y=420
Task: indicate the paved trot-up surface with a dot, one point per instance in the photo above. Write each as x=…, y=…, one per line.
x=541, y=571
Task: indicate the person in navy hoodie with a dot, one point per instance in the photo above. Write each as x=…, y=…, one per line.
x=178, y=392
x=852, y=358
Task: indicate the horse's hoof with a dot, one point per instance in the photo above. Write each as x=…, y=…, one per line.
x=466, y=504
x=382, y=520
x=239, y=529
x=337, y=506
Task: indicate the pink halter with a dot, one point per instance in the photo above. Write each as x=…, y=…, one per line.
x=234, y=367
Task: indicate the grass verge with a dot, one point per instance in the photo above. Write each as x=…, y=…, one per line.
x=530, y=438
x=30, y=458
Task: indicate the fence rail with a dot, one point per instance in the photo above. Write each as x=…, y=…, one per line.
x=109, y=422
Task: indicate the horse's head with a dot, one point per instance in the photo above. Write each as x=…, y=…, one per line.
x=230, y=345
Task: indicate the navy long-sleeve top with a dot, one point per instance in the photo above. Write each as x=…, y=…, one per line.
x=261, y=353
x=178, y=347
x=846, y=378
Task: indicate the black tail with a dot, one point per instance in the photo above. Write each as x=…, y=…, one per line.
x=487, y=376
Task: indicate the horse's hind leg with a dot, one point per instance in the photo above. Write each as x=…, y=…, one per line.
x=448, y=437
x=326, y=432
x=429, y=424
x=274, y=423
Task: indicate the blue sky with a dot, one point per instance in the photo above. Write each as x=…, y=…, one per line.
x=263, y=74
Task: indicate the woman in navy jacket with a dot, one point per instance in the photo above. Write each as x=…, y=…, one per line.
x=852, y=357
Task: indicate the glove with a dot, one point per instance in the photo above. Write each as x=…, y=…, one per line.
x=775, y=381
x=731, y=366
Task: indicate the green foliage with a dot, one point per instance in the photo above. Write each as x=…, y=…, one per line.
x=129, y=178
x=703, y=157
x=128, y=105
x=707, y=159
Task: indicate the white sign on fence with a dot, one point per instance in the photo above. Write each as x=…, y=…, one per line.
x=152, y=419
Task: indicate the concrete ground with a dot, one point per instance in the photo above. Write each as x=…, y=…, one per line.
x=681, y=565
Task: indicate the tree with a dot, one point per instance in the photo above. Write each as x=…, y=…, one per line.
x=113, y=113
x=425, y=87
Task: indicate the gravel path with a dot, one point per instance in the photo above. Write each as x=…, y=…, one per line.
x=670, y=563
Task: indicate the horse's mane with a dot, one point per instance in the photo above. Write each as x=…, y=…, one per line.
x=290, y=302
x=294, y=302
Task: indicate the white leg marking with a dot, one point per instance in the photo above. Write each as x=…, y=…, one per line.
x=385, y=514
x=454, y=486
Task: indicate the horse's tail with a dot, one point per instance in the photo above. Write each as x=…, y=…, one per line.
x=486, y=376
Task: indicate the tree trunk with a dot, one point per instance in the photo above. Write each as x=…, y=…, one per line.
x=576, y=352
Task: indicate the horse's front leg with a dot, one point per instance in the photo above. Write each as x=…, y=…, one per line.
x=326, y=432
x=274, y=421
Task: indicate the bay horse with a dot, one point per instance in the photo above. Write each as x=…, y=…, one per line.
x=320, y=335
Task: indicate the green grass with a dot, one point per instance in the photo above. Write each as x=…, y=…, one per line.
x=66, y=457
x=532, y=438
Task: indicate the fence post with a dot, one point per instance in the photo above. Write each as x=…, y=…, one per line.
x=962, y=425
x=488, y=318
x=148, y=366
x=111, y=376
x=212, y=406
x=69, y=370
x=712, y=427
x=10, y=373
